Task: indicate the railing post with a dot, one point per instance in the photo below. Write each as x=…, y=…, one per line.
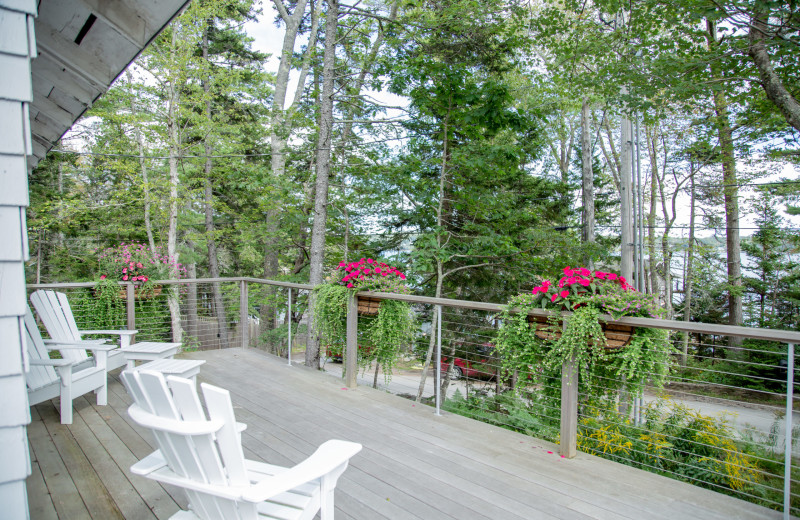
x=569, y=409
x=351, y=354
x=289, y=322
x=568, y=446
x=437, y=392
x=244, y=315
x=787, y=457
x=130, y=305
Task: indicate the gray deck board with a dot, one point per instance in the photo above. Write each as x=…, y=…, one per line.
x=414, y=465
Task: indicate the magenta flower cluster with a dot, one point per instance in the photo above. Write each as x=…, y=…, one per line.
x=577, y=283
x=137, y=263
x=365, y=271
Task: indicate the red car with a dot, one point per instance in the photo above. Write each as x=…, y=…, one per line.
x=477, y=363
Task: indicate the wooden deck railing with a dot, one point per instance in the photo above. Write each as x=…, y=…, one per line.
x=569, y=384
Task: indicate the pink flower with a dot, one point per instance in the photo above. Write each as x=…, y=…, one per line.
x=611, y=276
x=402, y=276
x=341, y=264
x=564, y=294
x=350, y=285
x=102, y=277
x=585, y=282
x=125, y=270
x=125, y=277
x=370, y=261
x=600, y=275
x=139, y=265
x=567, y=270
x=554, y=297
x=585, y=272
x=144, y=278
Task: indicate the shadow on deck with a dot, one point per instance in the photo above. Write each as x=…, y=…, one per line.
x=414, y=465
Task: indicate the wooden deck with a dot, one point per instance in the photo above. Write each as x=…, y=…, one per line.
x=414, y=465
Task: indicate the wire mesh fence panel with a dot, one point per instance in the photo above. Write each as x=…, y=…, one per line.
x=719, y=421
x=273, y=309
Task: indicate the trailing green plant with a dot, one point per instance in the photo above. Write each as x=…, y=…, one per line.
x=380, y=338
x=540, y=351
x=105, y=308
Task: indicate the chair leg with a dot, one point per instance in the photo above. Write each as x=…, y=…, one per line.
x=102, y=394
x=66, y=404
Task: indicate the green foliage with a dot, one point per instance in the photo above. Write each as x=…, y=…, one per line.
x=682, y=443
x=330, y=313
x=508, y=411
x=380, y=338
x=646, y=360
x=104, y=307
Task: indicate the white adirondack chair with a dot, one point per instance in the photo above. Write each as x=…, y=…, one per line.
x=55, y=312
x=204, y=456
x=49, y=378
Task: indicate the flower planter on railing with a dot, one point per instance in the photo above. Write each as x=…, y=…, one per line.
x=617, y=336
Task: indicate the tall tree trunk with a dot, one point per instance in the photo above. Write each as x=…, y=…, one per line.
x=280, y=129
x=148, y=225
x=651, y=137
x=587, y=180
x=440, y=210
x=208, y=203
x=731, y=194
x=317, y=256
x=626, y=201
x=770, y=81
x=173, y=102
x=688, y=284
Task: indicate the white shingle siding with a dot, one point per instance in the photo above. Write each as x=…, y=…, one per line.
x=17, y=48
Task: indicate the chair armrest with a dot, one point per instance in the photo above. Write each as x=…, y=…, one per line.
x=329, y=457
x=81, y=346
x=125, y=336
x=117, y=332
x=149, y=464
x=51, y=362
x=86, y=342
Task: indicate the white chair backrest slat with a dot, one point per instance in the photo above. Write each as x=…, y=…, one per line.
x=188, y=404
x=38, y=376
x=178, y=450
x=196, y=456
x=69, y=318
x=54, y=311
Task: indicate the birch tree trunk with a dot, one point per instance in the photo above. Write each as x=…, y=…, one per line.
x=317, y=254
x=172, y=214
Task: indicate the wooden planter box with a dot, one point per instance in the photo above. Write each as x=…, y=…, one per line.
x=617, y=336
x=140, y=294
x=368, y=306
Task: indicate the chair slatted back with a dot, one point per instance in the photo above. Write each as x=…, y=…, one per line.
x=38, y=376
x=207, y=458
x=55, y=312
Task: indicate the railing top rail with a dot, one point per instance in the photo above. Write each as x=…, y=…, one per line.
x=783, y=336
